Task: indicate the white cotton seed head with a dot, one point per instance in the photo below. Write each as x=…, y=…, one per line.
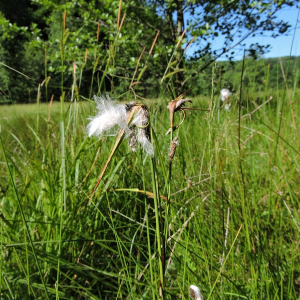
x=141, y=121
x=141, y=118
x=109, y=115
x=142, y=138
x=195, y=293
x=225, y=94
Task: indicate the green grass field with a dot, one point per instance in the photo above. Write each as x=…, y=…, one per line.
x=230, y=225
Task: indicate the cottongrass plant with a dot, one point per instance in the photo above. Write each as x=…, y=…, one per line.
x=120, y=119
x=111, y=115
x=225, y=95
x=195, y=293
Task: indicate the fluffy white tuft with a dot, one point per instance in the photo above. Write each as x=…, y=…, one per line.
x=195, y=293
x=225, y=94
x=110, y=115
x=144, y=141
x=141, y=121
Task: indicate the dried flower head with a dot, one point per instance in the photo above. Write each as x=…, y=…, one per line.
x=112, y=117
x=173, y=147
x=195, y=293
x=141, y=123
x=225, y=94
x=178, y=105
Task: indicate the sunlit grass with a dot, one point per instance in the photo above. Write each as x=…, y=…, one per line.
x=105, y=247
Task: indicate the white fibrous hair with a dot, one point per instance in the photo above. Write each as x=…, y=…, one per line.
x=110, y=114
x=225, y=94
x=144, y=141
x=195, y=293
x=141, y=121
x=112, y=117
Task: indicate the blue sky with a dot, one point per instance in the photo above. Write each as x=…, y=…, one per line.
x=280, y=46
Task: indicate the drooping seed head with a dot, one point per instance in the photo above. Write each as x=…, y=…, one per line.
x=225, y=94
x=173, y=147
x=112, y=117
x=195, y=293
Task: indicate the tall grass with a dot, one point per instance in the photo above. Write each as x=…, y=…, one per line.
x=104, y=250
x=223, y=214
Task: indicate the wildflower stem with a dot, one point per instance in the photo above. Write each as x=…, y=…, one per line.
x=158, y=215
x=117, y=143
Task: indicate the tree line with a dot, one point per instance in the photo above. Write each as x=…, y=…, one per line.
x=54, y=47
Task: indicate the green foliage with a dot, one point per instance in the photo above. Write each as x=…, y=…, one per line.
x=43, y=39
x=100, y=250
x=48, y=52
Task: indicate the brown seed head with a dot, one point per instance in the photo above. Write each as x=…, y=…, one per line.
x=173, y=147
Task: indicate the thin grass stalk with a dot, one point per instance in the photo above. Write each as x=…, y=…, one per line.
x=116, y=145
x=27, y=264
x=225, y=246
x=171, y=58
x=148, y=232
x=62, y=48
x=74, y=99
x=154, y=42
x=8, y=287
x=137, y=65
x=23, y=218
x=120, y=246
x=82, y=67
x=283, y=100
x=46, y=74
x=222, y=267
x=98, y=32
x=288, y=92
x=62, y=205
x=93, y=74
x=212, y=106
x=119, y=14
x=189, y=44
x=157, y=219
x=242, y=181
x=122, y=21
x=1, y=253
x=110, y=62
x=38, y=107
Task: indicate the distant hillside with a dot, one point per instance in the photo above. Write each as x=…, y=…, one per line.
x=258, y=74
x=263, y=73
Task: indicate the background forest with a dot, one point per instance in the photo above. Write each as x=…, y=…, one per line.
x=46, y=40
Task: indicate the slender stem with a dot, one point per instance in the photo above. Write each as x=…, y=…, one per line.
x=24, y=219
x=117, y=143
x=157, y=208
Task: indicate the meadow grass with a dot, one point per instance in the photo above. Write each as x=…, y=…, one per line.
x=222, y=215
x=232, y=217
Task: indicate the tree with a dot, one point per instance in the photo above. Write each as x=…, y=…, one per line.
x=44, y=38
x=51, y=35
x=208, y=20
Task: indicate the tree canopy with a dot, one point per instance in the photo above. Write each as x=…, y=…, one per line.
x=136, y=46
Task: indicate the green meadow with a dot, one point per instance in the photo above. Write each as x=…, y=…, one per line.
x=223, y=215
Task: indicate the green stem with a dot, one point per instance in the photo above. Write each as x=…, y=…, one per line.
x=24, y=219
x=157, y=208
